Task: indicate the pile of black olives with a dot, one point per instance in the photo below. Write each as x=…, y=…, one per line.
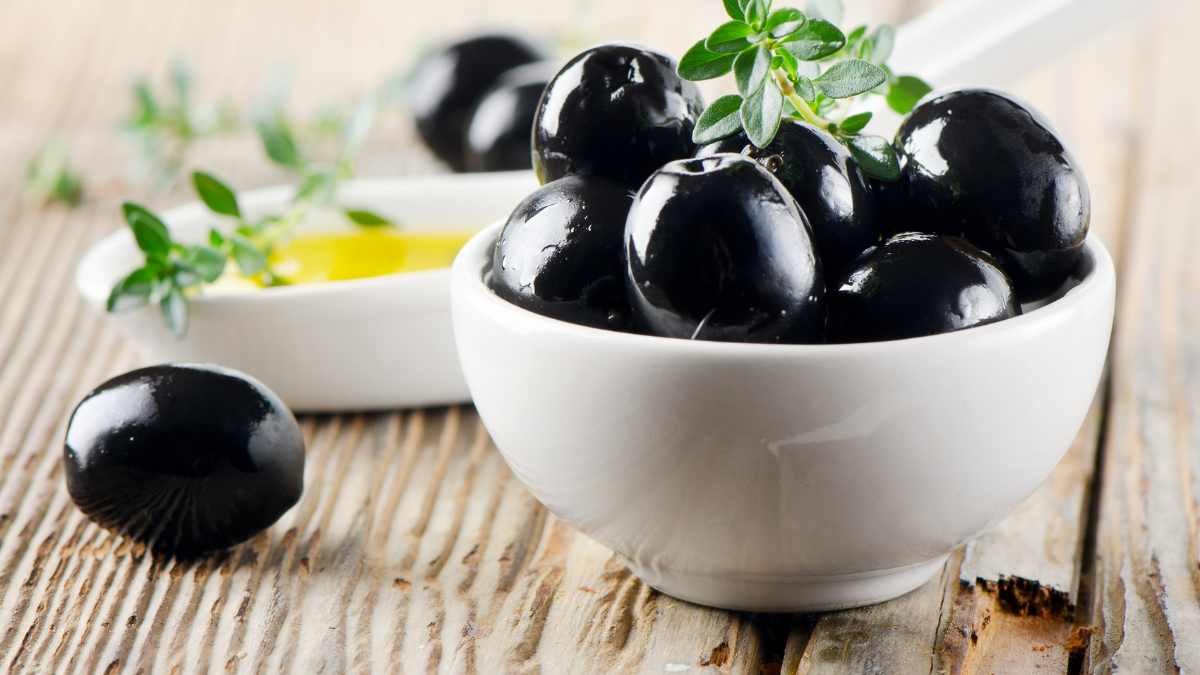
x=184, y=458
x=637, y=229
x=474, y=101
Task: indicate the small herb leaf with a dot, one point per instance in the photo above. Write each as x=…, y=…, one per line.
x=883, y=40
x=855, y=123
x=828, y=10
x=217, y=196
x=701, y=64
x=133, y=291
x=174, y=306
x=250, y=260
x=366, y=218
x=761, y=114
x=755, y=11
x=278, y=142
x=751, y=69
x=850, y=78
x=150, y=232
x=904, y=93
x=734, y=9
x=208, y=262
x=784, y=22
x=806, y=89
x=876, y=156
x=719, y=120
x=729, y=38
x=815, y=40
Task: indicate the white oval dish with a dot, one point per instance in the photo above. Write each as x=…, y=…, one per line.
x=382, y=342
x=782, y=477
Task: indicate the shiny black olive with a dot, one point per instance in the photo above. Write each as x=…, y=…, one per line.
x=448, y=83
x=185, y=458
x=615, y=110
x=498, y=136
x=718, y=250
x=918, y=284
x=560, y=252
x=827, y=184
x=979, y=164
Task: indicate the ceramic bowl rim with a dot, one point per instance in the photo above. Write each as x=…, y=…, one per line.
x=471, y=262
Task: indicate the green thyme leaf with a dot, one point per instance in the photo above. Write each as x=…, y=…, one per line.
x=151, y=234
x=701, y=64
x=316, y=187
x=815, y=40
x=784, y=22
x=174, y=306
x=366, y=218
x=805, y=88
x=876, y=156
x=828, y=10
x=278, y=141
x=883, y=41
x=217, y=196
x=850, y=78
x=49, y=177
x=132, y=291
x=905, y=91
x=756, y=12
x=729, y=38
x=761, y=114
x=719, y=120
x=208, y=262
x=855, y=123
x=734, y=9
x=788, y=62
x=250, y=260
x=751, y=69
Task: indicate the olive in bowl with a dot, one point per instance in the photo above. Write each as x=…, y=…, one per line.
x=447, y=83
x=918, y=284
x=717, y=249
x=560, y=252
x=980, y=164
x=498, y=136
x=781, y=477
x=827, y=184
x=185, y=458
x=615, y=110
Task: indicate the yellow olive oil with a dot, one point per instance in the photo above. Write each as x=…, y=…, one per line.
x=359, y=254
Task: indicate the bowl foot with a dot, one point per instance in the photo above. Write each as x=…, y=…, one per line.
x=792, y=594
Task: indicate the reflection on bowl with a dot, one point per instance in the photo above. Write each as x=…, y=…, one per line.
x=782, y=477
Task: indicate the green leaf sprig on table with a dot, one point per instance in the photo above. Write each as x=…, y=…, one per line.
x=49, y=177
x=789, y=64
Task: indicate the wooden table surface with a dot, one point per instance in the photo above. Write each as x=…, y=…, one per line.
x=414, y=548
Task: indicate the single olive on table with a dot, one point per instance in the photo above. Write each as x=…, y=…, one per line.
x=615, y=110
x=917, y=284
x=184, y=458
x=979, y=164
x=559, y=254
x=498, y=136
x=827, y=184
x=718, y=250
x=448, y=83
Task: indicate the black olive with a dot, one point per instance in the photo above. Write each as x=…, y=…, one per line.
x=615, y=110
x=185, y=458
x=448, y=83
x=718, y=250
x=979, y=164
x=498, y=136
x=560, y=252
x=918, y=284
x=827, y=184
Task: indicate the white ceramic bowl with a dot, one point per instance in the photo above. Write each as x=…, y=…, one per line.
x=383, y=342
x=782, y=477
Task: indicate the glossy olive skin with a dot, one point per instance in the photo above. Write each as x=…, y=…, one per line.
x=184, y=458
x=617, y=111
x=560, y=253
x=448, y=83
x=827, y=184
x=498, y=135
x=977, y=163
x=917, y=284
x=718, y=250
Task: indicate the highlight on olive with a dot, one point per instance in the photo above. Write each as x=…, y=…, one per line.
x=184, y=458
